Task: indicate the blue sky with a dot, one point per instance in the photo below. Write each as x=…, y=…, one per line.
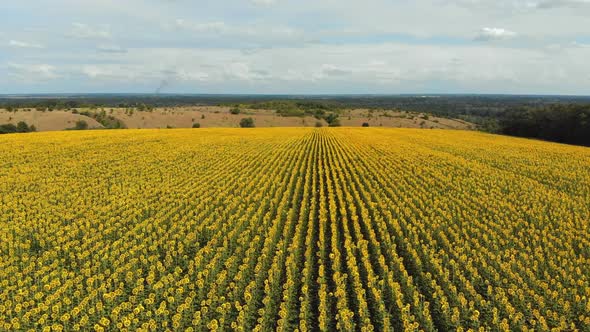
x=300, y=47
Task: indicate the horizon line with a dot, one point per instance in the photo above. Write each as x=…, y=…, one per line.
x=172, y=94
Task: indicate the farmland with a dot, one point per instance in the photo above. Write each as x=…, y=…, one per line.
x=220, y=117
x=293, y=228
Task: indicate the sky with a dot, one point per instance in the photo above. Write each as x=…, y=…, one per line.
x=295, y=47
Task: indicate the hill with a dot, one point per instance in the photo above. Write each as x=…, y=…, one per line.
x=279, y=228
x=47, y=121
x=220, y=116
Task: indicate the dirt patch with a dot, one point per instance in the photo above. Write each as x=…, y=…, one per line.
x=46, y=121
x=399, y=119
x=207, y=117
x=219, y=116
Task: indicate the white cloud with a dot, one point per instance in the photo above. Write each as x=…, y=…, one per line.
x=32, y=72
x=388, y=67
x=248, y=36
x=241, y=71
x=121, y=73
x=489, y=34
x=110, y=48
x=85, y=31
x=22, y=44
x=305, y=45
x=184, y=74
x=548, y=4
x=264, y=2
x=332, y=71
x=212, y=27
x=139, y=71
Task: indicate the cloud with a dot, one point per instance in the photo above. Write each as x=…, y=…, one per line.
x=324, y=68
x=490, y=34
x=121, y=73
x=250, y=36
x=105, y=48
x=22, y=44
x=329, y=70
x=184, y=75
x=370, y=46
x=32, y=72
x=264, y=2
x=242, y=71
x=84, y=31
x=582, y=45
x=212, y=27
x=549, y=4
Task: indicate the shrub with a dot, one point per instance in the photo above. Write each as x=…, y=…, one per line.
x=319, y=113
x=235, y=110
x=335, y=123
x=319, y=124
x=80, y=125
x=8, y=128
x=365, y=124
x=196, y=125
x=332, y=120
x=247, y=123
x=107, y=121
x=22, y=127
x=292, y=112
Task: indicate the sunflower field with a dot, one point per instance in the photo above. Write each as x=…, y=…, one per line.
x=319, y=229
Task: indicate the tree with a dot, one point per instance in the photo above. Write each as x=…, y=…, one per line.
x=80, y=125
x=332, y=120
x=22, y=127
x=560, y=123
x=247, y=123
x=8, y=128
x=335, y=123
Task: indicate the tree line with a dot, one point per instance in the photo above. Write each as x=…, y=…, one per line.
x=20, y=127
x=559, y=123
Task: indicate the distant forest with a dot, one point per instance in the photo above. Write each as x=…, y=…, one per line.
x=559, y=123
x=564, y=119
